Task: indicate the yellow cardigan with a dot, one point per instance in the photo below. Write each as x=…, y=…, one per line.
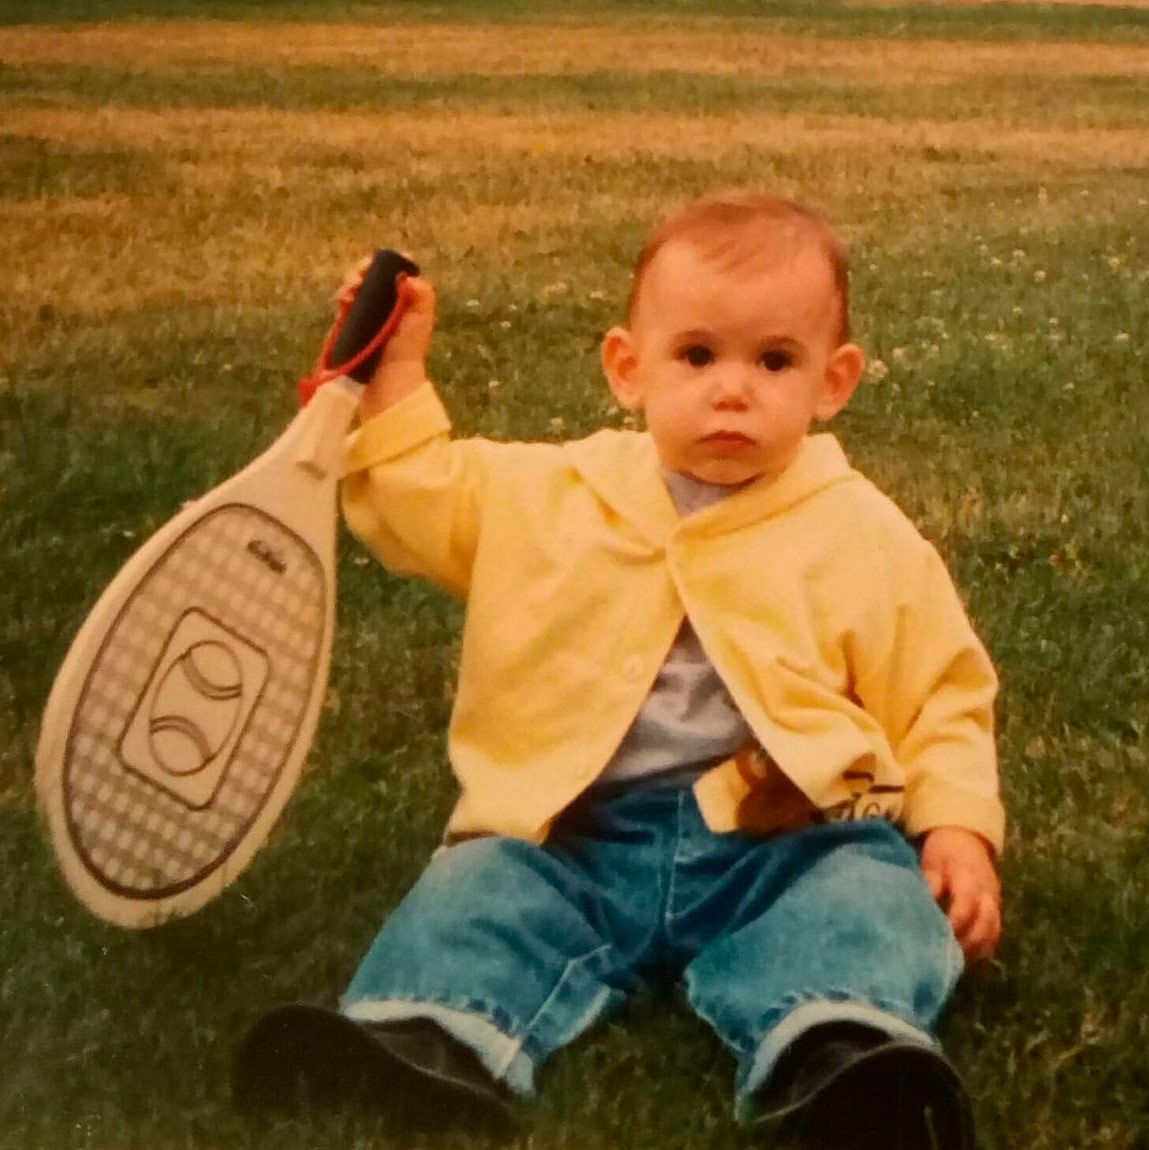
x=832, y=622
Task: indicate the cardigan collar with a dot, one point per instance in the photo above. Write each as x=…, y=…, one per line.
x=623, y=469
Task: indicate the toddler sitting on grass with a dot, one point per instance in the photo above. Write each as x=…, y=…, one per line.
x=720, y=717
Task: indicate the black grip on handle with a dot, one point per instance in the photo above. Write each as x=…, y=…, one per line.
x=373, y=305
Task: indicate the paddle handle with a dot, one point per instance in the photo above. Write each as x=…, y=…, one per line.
x=374, y=304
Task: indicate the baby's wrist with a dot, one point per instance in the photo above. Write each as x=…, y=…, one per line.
x=392, y=382
x=955, y=830
x=958, y=840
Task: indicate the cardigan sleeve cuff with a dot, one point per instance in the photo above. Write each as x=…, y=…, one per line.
x=416, y=418
x=941, y=806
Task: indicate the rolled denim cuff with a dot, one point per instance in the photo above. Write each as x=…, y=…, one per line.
x=502, y=1055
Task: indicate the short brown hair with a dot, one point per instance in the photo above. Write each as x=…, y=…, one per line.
x=737, y=227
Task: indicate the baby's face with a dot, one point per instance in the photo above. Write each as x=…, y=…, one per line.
x=731, y=366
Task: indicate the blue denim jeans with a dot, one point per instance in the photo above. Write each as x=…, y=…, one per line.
x=516, y=949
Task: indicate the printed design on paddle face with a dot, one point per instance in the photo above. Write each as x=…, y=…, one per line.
x=197, y=704
x=193, y=703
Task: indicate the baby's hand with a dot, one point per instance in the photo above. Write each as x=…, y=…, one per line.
x=403, y=365
x=959, y=868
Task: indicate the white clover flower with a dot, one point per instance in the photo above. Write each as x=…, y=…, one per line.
x=1039, y=276
x=877, y=369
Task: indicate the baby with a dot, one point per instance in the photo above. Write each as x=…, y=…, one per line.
x=720, y=718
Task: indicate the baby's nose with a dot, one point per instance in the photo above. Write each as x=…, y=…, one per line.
x=732, y=385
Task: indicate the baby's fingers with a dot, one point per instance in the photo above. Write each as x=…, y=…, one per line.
x=975, y=915
x=412, y=338
x=353, y=280
x=963, y=909
x=981, y=931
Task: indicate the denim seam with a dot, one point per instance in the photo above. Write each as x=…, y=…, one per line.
x=572, y=965
x=740, y=1047
x=668, y=913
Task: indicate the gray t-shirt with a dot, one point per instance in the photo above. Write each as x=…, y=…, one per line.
x=689, y=722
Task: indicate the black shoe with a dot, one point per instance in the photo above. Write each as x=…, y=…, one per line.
x=304, y=1056
x=848, y=1087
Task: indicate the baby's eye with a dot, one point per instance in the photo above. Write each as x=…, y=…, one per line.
x=696, y=354
x=776, y=359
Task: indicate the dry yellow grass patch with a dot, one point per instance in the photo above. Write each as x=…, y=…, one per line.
x=697, y=46
x=256, y=212
x=1000, y=3
x=255, y=189
x=215, y=139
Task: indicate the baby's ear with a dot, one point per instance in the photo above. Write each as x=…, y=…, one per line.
x=843, y=372
x=620, y=363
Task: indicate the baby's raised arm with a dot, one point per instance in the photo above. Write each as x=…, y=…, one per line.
x=411, y=491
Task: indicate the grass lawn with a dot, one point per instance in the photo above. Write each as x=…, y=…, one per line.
x=181, y=188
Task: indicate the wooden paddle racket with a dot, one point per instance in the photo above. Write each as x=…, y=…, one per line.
x=180, y=719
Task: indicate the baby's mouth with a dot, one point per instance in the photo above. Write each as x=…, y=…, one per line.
x=728, y=439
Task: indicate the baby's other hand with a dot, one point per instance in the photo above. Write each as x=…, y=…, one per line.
x=959, y=868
